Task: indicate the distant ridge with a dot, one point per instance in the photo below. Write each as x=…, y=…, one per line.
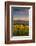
x=21, y=22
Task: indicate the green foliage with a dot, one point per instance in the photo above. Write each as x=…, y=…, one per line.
x=21, y=31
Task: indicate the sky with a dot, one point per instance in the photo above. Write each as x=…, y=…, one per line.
x=20, y=13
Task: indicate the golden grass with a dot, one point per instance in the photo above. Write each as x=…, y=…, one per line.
x=20, y=27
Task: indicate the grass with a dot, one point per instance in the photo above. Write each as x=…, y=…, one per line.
x=20, y=30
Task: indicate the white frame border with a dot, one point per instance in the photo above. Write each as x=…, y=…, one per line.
x=21, y=37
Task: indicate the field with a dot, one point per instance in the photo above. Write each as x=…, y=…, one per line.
x=20, y=29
